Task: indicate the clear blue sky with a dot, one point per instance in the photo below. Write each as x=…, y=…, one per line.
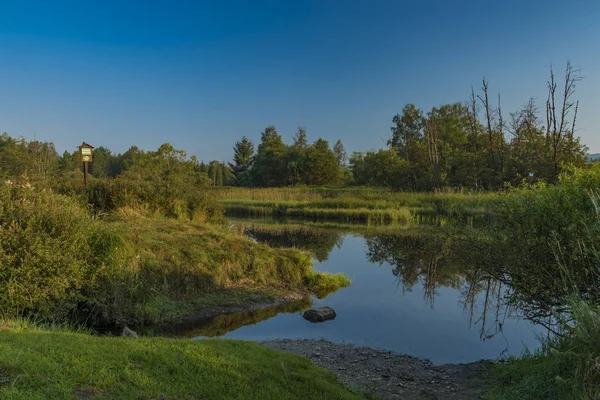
x=202, y=74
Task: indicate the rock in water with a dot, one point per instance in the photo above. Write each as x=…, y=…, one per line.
x=129, y=333
x=319, y=315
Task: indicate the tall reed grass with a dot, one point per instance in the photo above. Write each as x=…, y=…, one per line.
x=369, y=205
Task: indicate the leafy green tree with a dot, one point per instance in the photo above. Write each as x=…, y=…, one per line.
x=407, y=135
x=447, y=134
x=340, y=153
x=39, y=161
x=269, y=167
x=165, y=180
x=300, y=140
x=104, y=163
x=319, y=166
x=229, y=178
x=407, y=130
x=295, y=158
x=243, y=153
x=203, y=168
x=132, y=157
x=67, y=162
x=383, y=168
x=357, y=167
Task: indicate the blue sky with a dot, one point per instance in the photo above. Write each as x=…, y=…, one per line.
x=202, y=74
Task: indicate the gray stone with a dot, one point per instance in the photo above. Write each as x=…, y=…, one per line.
x=320, y=314
x=129, y=333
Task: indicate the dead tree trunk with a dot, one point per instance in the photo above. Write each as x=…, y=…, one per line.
x=431, y=134
x=556, y=124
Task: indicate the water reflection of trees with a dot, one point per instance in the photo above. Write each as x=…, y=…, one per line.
x=415, y=259
x=440, y=261
x=490, y=275
x=320, y=242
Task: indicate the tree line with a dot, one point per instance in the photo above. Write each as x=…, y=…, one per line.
x=276, y=164
x=470, y=144
x=40, y=161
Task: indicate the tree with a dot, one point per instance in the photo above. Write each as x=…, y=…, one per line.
x=300, y=140
x=213, y=166
x=132, y=157
x=407, y=134
x=382, y=168
x=447, y=131
x=39, y=161
x=319, y=166
x=357, y=166
x=67, y=162
x=558, y=123
x=104, y=164
x=408, y=129
x=340, y=153
x=269, y=167
x=229, y=177
x=243, y=153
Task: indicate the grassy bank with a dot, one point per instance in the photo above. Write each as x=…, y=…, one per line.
x=566, y=367
x=369, y=205
x=555, y=231
x=57, y=364
x=61, y=263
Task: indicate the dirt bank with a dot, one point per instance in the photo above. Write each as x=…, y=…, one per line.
x=389, y=375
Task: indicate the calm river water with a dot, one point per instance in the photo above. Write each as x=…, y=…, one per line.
x=410, y=294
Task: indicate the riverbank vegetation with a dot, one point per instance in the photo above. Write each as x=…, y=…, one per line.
x=358, y=204
x=146, y=246
x=555, y=230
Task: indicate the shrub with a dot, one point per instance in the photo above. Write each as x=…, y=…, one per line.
x=44, y=249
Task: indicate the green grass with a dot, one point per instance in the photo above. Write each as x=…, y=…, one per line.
x=127, y=268
x=177, y=268
x=41, y=364
x=566, y=367
x=368, y=205
x=322, y=284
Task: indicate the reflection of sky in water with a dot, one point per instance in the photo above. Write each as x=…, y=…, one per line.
x=376, y=312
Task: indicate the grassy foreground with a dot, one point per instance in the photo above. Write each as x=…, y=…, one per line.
x=46, y=364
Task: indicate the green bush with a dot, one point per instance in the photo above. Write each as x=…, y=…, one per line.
x=44, y=250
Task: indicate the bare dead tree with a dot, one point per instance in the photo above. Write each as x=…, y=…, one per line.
x=522, y=124
x=473, y=108
x=550, y=103
x=430, y=132
x=556, y=124
x=474, y=133
x=572, y=132
x=488, y=116
x=501, y=136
